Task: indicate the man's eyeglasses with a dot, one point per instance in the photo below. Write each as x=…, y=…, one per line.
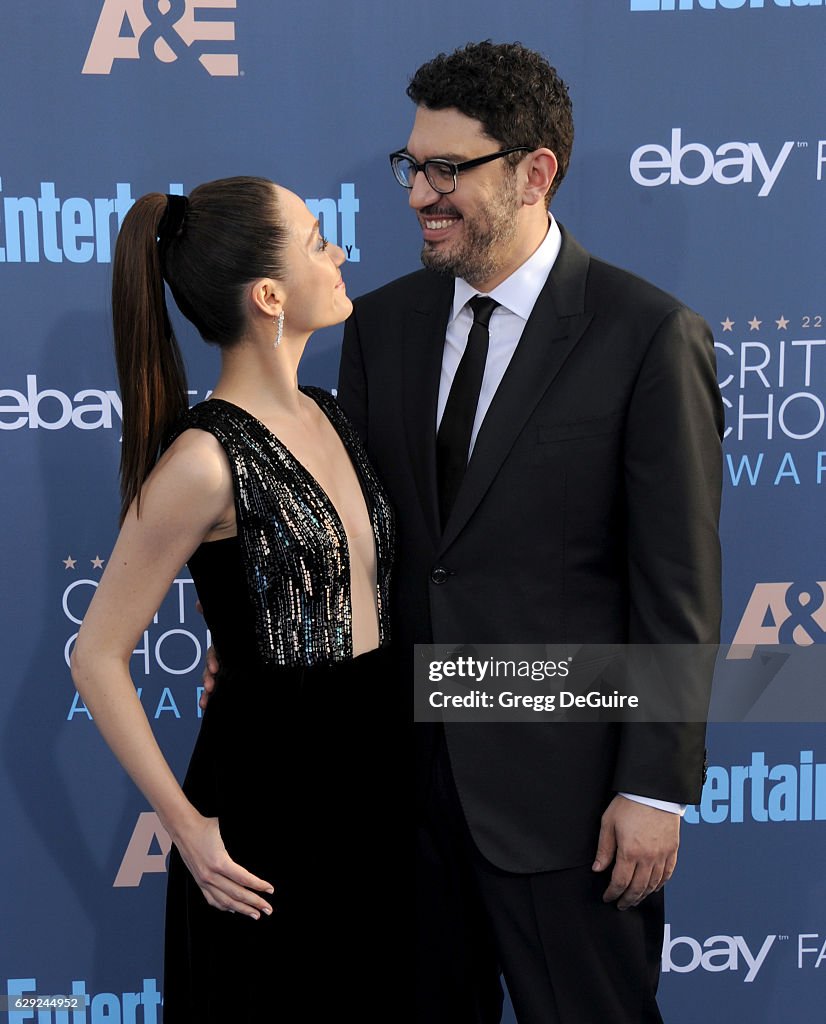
x=441, y=174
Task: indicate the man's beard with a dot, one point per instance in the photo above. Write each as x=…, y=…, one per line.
x=480, y=253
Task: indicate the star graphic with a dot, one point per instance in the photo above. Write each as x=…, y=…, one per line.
x=97, y=562
x=754, y=323
x=727, y=324
x=69, y=563
x=782, y=323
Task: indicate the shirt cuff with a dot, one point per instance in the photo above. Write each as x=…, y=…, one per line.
x=662, y=805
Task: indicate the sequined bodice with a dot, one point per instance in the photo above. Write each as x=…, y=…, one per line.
x=292, y=542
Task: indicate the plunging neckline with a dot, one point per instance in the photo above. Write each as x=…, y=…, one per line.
x=326, y=500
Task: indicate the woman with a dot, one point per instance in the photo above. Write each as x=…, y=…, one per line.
x=284, y=831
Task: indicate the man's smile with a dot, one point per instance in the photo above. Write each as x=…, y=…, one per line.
x=438, y=224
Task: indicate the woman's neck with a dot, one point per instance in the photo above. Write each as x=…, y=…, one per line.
x=261, y=378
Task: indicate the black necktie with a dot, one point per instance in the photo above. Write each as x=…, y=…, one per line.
x=453, y=438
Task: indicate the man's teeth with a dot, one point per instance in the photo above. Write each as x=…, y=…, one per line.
x=435, y=225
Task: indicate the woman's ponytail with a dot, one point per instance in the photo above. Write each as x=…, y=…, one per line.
x=208, y=248
x=150, y=367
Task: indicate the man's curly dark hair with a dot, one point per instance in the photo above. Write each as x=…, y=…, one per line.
x=514, y=92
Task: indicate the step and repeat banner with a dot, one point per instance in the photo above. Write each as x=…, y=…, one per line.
x=699, y=163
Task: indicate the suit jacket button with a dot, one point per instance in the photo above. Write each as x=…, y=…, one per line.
x=439, y=574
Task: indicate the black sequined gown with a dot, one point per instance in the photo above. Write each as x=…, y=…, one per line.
x=300, y=756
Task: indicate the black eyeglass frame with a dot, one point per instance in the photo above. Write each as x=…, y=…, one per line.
x=454, y=168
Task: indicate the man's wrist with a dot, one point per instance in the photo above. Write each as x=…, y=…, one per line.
x=661, y=805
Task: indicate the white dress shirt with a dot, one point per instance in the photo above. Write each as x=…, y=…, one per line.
x=516, y=296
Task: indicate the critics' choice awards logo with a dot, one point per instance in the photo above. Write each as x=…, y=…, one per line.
x=769, y=368
x=173, y=644
x=717, y=5
x=691, y=163
x=164, y=30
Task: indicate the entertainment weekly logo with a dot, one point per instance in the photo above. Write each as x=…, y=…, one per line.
x=79, y=1001
x=717, y=5
x=165, y=31
x=763, y=792
x=45, y=225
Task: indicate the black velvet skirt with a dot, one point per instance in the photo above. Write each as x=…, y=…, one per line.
x=307, y=771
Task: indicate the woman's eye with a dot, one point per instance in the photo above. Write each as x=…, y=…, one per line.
x=322, y=243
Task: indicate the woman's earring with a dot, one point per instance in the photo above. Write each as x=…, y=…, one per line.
x=280, y=330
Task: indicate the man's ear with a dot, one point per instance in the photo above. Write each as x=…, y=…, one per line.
x=540, y=168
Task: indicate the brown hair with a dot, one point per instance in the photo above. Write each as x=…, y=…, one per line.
x=229, y=236
x=514, y=93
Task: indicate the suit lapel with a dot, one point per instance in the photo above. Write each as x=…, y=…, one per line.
x=556, y=324
x=423, y=344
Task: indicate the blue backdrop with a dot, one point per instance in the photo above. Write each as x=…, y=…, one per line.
x=698, y=163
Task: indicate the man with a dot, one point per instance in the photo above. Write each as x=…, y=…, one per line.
x=588, y=417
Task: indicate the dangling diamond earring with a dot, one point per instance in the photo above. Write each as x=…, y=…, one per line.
x=280, y=330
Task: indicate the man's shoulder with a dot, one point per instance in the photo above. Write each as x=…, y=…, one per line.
x=622, y=284
x=611, y=287
x=421, y=288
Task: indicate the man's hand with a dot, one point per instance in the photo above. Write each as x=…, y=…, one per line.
x=210, y=670
x=642, y=842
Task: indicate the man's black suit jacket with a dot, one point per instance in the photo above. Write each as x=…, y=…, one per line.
x=588, y=514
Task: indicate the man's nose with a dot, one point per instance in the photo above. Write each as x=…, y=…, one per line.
x=422, y=194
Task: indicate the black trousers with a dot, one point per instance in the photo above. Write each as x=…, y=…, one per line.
x=567, y=957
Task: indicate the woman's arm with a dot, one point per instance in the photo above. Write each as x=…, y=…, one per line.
x=187, y=498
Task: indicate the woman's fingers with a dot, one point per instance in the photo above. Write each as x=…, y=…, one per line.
x=235, y=888
x=225, y=895
x=225, y=884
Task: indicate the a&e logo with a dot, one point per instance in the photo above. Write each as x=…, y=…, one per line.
x=781, y=613
x=165, y=30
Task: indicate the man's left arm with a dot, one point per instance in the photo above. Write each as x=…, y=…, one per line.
x=673, y=481
x=352, y=380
